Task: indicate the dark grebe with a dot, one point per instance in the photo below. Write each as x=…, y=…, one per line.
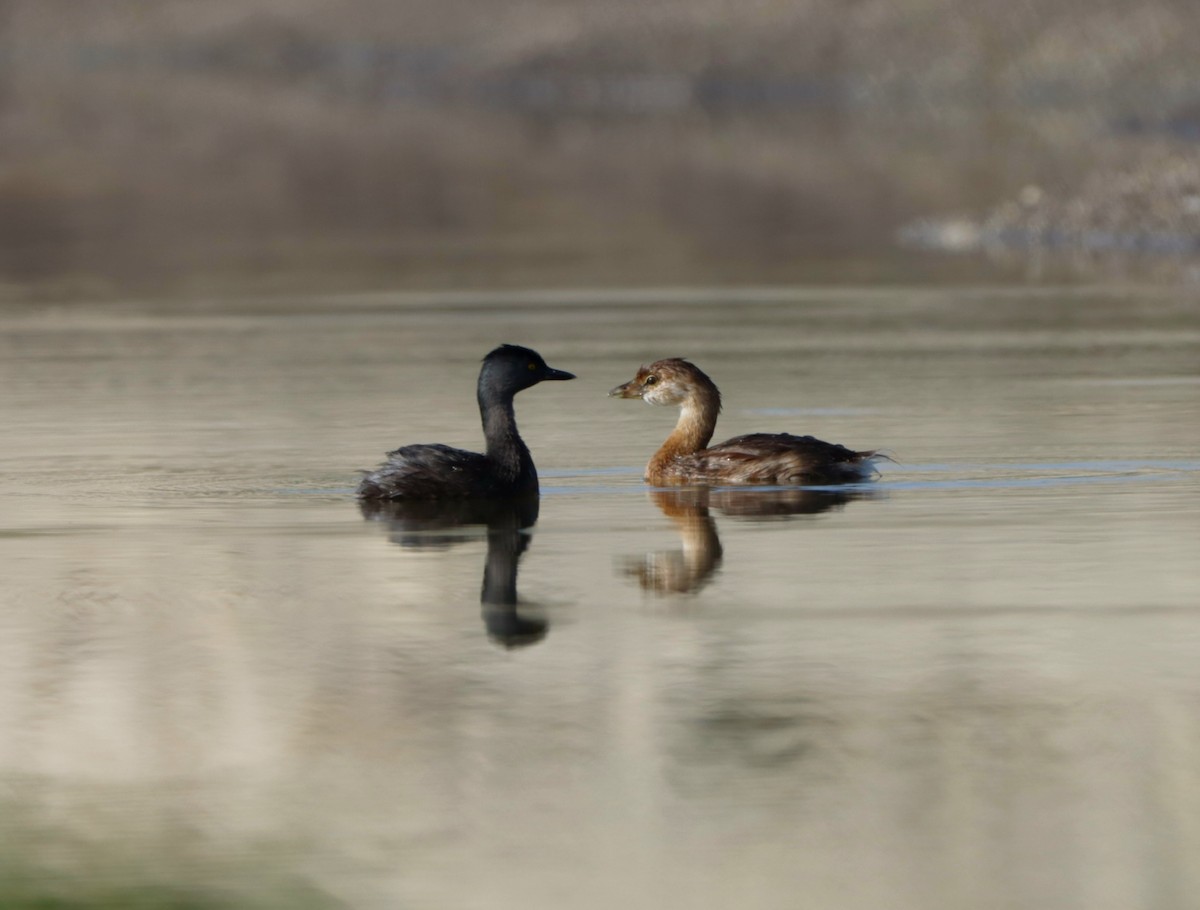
x=764, y=458
x=441, y=472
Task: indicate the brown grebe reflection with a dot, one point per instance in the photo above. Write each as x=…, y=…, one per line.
x=690, y=568
x=757, y=458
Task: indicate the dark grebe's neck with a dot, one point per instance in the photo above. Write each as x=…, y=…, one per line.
x=505, y=448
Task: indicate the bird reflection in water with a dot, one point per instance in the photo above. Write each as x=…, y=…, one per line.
x=431, y=524
x=688, y=569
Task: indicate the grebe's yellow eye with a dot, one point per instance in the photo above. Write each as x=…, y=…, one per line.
x=650, y=380
x=533, y=366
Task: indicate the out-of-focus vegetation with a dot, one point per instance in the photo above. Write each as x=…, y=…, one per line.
x=50, y=863
x=172, y=145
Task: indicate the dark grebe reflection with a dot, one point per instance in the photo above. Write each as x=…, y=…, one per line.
x=416, y=524
x=691, y=567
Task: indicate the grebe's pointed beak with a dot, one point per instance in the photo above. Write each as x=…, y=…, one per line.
x=552, y=373
x=626, y=390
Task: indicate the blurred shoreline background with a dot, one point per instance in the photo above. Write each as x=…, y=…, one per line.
x=174, y=148
x=247, y=247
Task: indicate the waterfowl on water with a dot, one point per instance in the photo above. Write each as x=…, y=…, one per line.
x=504, y=469
x=757, y=458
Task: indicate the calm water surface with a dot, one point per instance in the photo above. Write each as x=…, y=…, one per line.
x=975, y=683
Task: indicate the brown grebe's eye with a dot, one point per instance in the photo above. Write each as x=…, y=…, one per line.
x=533, y=366
x=650, y=380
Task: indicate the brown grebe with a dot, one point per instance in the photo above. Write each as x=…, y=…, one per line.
x=759, y=458
x=505, y=470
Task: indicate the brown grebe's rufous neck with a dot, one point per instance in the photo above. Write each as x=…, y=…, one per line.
x=676, y=383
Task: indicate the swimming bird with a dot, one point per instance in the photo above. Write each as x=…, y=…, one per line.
x=757, y=458
x=505, y=469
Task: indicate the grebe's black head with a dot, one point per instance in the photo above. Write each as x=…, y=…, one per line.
x=511, y=368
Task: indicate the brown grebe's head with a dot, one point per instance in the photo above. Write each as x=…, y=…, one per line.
x=669, y=382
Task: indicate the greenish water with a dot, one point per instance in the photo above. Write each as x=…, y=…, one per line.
x=971, y=684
